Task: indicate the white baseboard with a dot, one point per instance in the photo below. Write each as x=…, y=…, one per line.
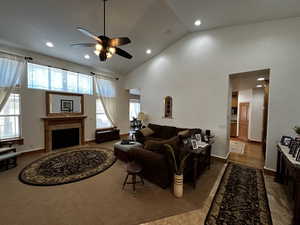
x=90, y=140
x=266, y=168
x=254, y=139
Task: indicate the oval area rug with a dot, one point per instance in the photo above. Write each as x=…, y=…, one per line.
x=67, y=166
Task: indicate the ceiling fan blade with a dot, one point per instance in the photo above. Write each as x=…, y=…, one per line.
x=123, y=53
x=119, y=41
x=89, y=34
x=83, y=45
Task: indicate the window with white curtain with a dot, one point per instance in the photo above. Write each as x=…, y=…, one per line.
x=134, y=108
x=107, y=88
x=101, y=119
x=10, y=118
x=49, y=78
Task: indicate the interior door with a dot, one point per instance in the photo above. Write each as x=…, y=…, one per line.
x=244, y=120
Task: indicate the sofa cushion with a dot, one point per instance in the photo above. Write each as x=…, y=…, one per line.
x=168, y=132
x=147, y=131
x=158, y=146
x=184, y=133
x=156, y=128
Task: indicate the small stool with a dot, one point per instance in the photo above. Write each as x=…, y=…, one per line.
x=134, y=170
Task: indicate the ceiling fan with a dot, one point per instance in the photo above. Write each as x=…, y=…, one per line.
x=105, y=47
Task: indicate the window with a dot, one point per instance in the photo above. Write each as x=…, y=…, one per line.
x=48, y=78
x=107, y=88
x=10, y=118
x=134, y=108
x=101, y=119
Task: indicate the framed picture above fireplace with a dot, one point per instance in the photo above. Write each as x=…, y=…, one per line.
x=60, y=104
x=66, y=105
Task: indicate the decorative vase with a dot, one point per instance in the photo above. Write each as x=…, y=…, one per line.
x=178, y=185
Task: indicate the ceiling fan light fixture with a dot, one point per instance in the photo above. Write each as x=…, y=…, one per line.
x=98, y=47
x=108, y=54
x=112, y=50
x=97, y=52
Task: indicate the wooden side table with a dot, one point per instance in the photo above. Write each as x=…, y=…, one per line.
x=288, y=172
x=201, y=157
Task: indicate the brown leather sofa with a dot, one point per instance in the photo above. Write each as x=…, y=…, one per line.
x=157, y=163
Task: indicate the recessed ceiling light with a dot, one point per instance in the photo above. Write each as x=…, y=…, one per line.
x=259, y=86
x=197, y=23
x=148, y=51
x=86, y=56
x=50, y=44
x=261, y=78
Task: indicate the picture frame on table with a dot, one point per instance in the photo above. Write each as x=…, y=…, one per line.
x=286, y=140
x=194, y=144
x=296, y=151
x=293, y=147
x=198, y=139
x=298, y=155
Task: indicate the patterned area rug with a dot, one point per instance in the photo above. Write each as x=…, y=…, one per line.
x=67, y=166
x=241, y=198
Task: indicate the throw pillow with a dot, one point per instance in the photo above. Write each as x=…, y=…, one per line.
x=183, y=133
x=147, y=131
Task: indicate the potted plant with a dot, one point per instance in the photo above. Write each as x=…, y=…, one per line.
x=297, y=130
x=178, y=169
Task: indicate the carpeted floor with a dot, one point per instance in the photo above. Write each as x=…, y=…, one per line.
x=96, y=200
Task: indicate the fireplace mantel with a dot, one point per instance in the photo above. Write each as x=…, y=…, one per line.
x=63, y=117
x=62, y=122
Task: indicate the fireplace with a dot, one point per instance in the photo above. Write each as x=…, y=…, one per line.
x=65, y=138
x=63, y=131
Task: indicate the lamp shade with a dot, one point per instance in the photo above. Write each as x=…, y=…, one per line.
x=142, y=116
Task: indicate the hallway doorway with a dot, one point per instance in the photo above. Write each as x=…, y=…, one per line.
x=248, y=119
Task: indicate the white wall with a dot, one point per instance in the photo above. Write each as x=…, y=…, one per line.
x=195, y=72
x=33, y=106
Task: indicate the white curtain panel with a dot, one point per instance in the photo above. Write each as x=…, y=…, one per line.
x=12, y=68
x=134, y=108
x=106, y=91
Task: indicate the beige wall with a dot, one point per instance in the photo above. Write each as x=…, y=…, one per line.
x=33, y=104
x=195, y=72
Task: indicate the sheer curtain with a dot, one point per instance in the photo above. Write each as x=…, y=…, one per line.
x=134, y=108
x=106, y=91
x=12, y=69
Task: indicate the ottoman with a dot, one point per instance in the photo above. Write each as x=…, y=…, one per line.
x=121, y=151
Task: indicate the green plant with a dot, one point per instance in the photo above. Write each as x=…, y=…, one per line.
x=178, y=166
x=297, y=129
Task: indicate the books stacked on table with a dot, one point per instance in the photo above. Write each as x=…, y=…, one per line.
x=293, y=144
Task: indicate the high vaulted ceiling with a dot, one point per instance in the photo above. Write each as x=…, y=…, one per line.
x=153, y=24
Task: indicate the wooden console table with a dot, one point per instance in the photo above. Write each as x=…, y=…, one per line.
x=288, y=170
x=201, y=158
